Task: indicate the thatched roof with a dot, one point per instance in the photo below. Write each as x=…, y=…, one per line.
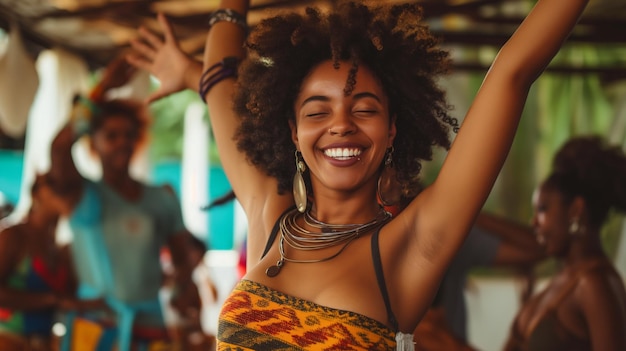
x=98, y=29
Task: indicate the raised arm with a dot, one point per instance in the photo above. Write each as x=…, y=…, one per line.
x=63, y=176
x=518, y=246
x=225, y=39
x=256, y=191
x=484, y=139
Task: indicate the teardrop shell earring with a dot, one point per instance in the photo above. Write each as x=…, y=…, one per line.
x=299, y=187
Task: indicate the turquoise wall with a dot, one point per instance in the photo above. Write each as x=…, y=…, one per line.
x=220, y=226
x=11, y=164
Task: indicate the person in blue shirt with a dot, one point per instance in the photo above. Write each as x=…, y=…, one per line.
x=119, y=223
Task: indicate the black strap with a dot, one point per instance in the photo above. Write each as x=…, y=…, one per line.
x=380, y=277
x=274, y=232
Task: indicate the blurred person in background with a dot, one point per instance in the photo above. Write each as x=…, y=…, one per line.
x=583, y=306
x=36, y=276
x=119, y=224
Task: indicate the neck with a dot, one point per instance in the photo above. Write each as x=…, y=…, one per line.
x=116, y=178
x=585, y=247
x=354, y=208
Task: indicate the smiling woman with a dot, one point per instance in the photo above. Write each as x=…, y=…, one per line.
x=343, y=137
x=352, y=94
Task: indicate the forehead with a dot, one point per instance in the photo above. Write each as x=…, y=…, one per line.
x=325, y=79
x=118, y=121
x=546, y=194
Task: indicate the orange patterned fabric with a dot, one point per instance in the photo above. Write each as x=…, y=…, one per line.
x=255, y=317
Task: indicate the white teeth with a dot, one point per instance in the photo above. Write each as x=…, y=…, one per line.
x=342, y=154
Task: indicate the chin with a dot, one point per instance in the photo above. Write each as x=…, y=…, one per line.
x=120, y=166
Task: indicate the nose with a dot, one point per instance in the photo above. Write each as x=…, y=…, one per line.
x=342, y=124
x=123, y=138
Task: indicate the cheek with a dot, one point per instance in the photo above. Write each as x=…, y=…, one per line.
x=95, y=144
x=541, y=219
x=308, y=135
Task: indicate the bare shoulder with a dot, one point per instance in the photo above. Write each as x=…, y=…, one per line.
x=601, y=282
x=9, y=235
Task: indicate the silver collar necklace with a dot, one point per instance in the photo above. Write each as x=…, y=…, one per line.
x=326, y=235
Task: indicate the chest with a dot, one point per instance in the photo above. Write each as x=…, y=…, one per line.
x=556, y=302
x=345, y=282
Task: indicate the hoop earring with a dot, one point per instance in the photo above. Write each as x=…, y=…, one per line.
x=299, y=187
x=575, y=228
x=389, y=192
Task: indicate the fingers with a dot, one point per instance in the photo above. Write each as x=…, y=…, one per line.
x=147, y=51
x=139, y=61
x=150, y=38
x=167, y=28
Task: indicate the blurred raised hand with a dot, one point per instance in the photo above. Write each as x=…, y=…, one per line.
x=164, y=59
x=116, y=74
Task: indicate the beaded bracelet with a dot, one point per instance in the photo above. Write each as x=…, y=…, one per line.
x=228, y=15
x=216, y=73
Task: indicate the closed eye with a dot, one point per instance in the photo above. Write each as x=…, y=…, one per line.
x=316, y=114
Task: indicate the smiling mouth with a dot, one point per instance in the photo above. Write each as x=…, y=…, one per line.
x=342, y=153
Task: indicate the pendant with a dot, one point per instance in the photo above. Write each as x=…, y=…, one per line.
x=273, y=271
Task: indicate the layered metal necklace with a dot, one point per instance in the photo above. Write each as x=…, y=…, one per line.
x=323, y=236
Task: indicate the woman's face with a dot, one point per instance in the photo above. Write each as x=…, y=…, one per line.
x=551, y=221
x=115, y=141
x=343, y=139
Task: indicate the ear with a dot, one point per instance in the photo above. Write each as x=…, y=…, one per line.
x=392, y=131
x=578, y=207
x=294, y=133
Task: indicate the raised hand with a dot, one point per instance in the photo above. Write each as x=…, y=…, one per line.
x=117, y=73
x=164, y=59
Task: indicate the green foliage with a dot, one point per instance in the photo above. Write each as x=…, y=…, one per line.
x=166, y=132
x=559, y=106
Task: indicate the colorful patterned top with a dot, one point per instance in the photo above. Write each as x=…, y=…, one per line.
x=32, y=275
x=255, y=317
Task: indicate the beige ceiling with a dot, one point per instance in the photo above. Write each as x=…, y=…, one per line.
x=98, y=29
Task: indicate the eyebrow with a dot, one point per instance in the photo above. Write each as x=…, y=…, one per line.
x=315, y=98
x=326, y=98
x=365, y=95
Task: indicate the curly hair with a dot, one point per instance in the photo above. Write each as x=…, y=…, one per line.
x=588, y=167
x=390, y=39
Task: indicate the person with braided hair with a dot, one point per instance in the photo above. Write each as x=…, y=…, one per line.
x=584, y=305
x=319, y=118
